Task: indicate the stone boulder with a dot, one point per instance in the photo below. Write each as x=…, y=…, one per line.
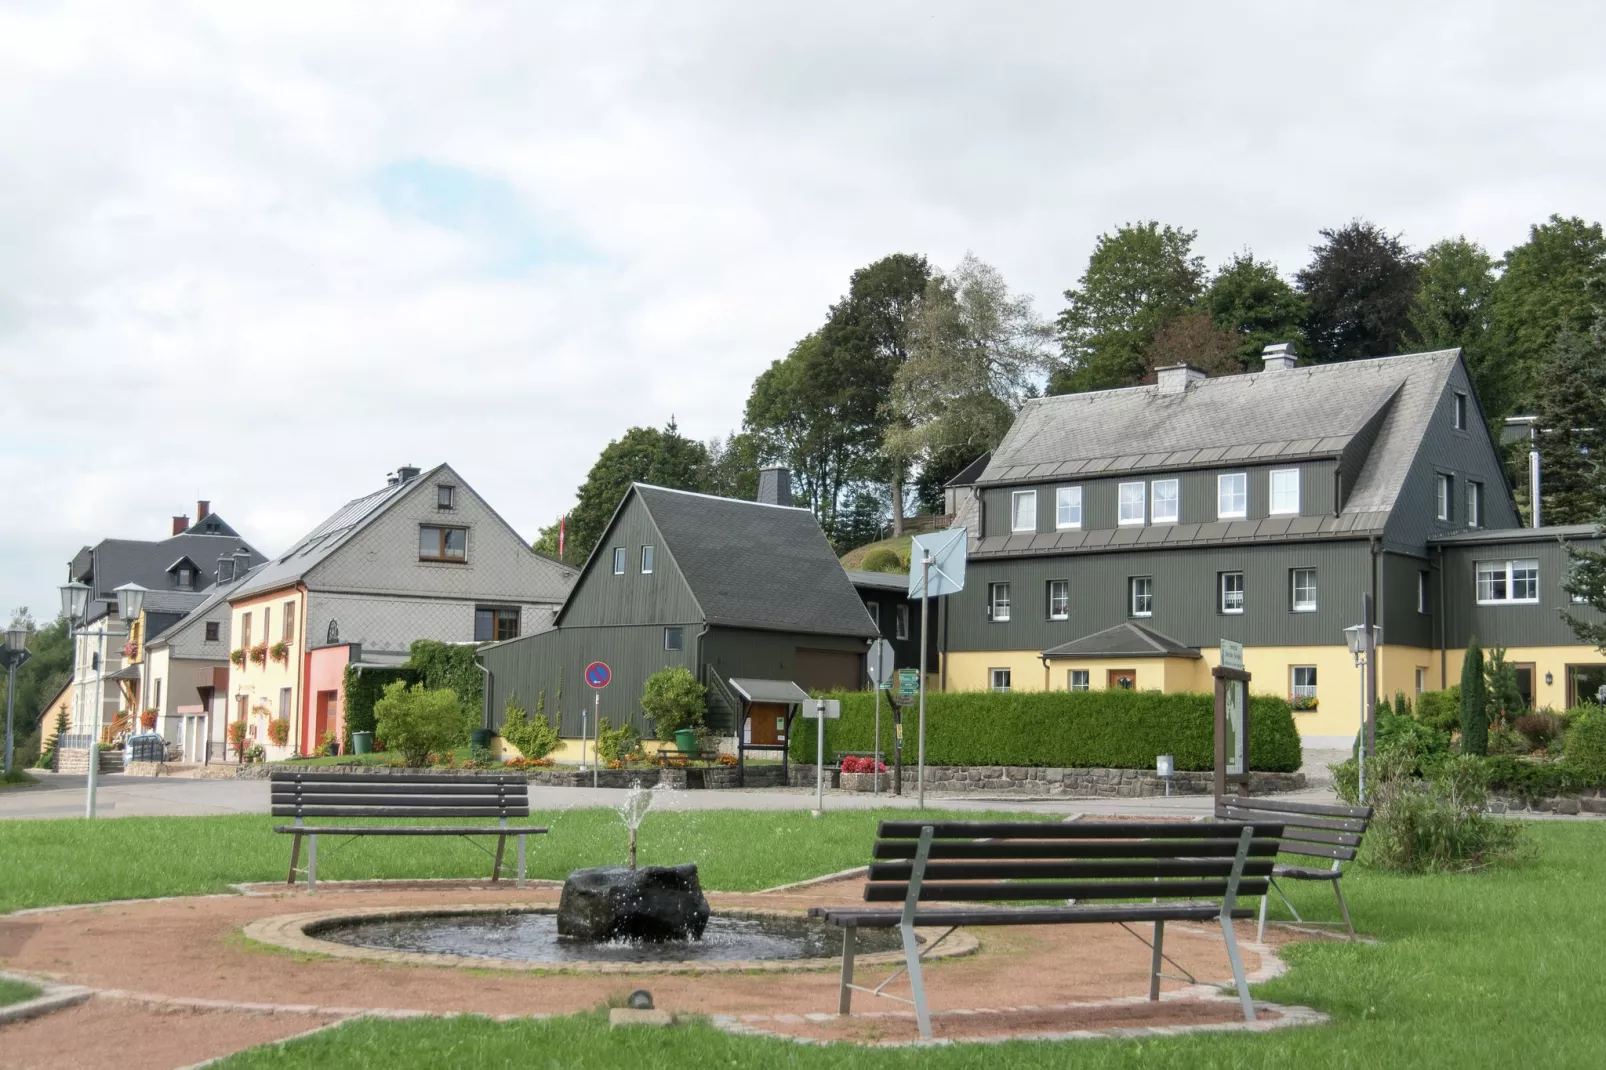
x=653, y=903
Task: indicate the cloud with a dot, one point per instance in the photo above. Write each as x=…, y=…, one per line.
x=263, y=254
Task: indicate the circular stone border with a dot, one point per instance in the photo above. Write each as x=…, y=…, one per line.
x=298, y=933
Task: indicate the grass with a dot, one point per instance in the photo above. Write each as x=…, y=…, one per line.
x=854, y=558
x=16, y=992
x=17, y=779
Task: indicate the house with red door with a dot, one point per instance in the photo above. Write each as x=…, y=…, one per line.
x=423, y=557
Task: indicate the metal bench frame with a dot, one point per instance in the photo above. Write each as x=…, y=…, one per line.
x=1315, y=830
x=301, y=795
x=1253, y=855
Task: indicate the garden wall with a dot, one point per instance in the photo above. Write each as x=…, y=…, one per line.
x=1075, y=782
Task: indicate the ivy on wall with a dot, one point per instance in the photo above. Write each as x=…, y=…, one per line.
x=364, y=687
x=454, y=666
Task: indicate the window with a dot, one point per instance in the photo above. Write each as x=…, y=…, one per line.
x=156, y=694
x=1232, y=496
x=1460, y=412
x=445, y=497
x=1059, y=599
x=900, y=621
x=284, y=702
x=618, y=560
x=1023, y=510
x=289, y=622
x=1068, y=507
x=1443, y=483
x=1474, y=504
x=186, y=577
x=1285, y=492
x=997, y=602
x=245, y=630
x=998, y=679
x=1232, y=592
x=1303, y=585
x=1421, y=680
x=675, y=638
x=1508, y=581
x=1081, y=680
x=267, y=623
x=874, y=609
x=1140, y=590
x=436, y=543
x=646, y=560
x=494, y=624
x=1131, y=503
x=212, y=630
x=1304, y=681
x=1164, y=508
x=1422, y=600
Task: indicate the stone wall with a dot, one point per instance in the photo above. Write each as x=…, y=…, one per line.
x=1078, y=783
x=76, y=760
x=1592, y=801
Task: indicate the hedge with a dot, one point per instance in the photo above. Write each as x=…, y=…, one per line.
x=454, y=666
x=363, y=688
x=1062, y=729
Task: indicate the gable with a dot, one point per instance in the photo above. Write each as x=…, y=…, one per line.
x=601, y=597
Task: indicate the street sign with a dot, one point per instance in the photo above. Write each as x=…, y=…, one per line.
x=947, y=570
x=908, y=683
x=598, y=674
x=878, y=663
x=1232, y=654
x=833, y=709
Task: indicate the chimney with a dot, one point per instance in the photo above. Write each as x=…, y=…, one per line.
x=225, y=568
x=406, y=473
x=181, y=524
x=1175, y=379
x=1279, y=357
x=775, y=486
x=202, y=511
x=242, y=562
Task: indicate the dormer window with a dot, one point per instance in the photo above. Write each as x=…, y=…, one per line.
x=445, y=497
x=1131, y=503
x=185, y=577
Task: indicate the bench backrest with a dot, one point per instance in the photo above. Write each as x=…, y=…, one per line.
x=985, y=861
x=1317, y=830
x=320, y=794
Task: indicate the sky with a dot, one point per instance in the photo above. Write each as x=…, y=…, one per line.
x=264, y=254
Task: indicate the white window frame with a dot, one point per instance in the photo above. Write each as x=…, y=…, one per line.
x=1067, y=508
x=1175, y=501
x=649, y=557
x=1084, y=684
x=874, y=609
x=1443, y=492
x=1065, y=598
x=1016, y=500
x=1132, y=584
x=1421, y=680
x=1506, y=574
x=1297, y=689
x=998, y=680
x=618, y=560
x=678, y=631
x=900, y=621
x=1474, y=504
x=1272, y=507
x=998, y=599
x=1224, y=587
x=1224, y=511
x=1423, y=592
x=1294, y=603
x=1141, y=501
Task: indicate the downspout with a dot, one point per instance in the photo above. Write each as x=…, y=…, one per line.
x=1046, y=670
x=1444, y=638
x=1377, y=610
x=702, y=671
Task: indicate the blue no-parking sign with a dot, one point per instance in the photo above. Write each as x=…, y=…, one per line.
x=598, y=674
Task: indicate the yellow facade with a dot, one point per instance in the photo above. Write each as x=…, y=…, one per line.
x=1551, y=660
x=274, y=685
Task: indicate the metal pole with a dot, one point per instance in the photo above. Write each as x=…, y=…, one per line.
x=1360, y=749
x=11, y=699
x=582, y=737
x=596, y=734
x=875, y=754
x=94, y=732
x=925, y=618
x=1370, y=620
x=819, y=755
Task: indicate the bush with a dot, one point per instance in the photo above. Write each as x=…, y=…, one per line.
x=1115, y=729
x=1585, y=750
x=535, y=739
x=1440, y=710
x=1539, y=729
x=883, y=559
x=616, y=744
x=416, y=720
x=454, y=666
x=361, y=690
x=673, y=699
x=279, y=731
x=1529, y=780
x=1474, y=702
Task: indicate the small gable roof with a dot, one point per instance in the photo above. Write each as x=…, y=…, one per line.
x=1125, y=640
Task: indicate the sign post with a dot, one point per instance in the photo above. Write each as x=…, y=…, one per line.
x=1232, y=719
x=823, y=709
x=942, y=571
x=598, y=676
x=879, y=663
x=908, y=692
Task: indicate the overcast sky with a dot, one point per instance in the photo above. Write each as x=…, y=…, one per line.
x=266, y=253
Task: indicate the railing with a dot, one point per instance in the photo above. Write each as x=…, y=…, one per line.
x=74, y=741
x=717, y=688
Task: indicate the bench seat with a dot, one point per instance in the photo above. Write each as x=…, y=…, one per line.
x=891, y=918
x=1313, y=830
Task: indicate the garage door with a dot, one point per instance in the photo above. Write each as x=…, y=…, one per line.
x=828, y=670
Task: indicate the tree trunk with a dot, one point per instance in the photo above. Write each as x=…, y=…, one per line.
x=897, y=504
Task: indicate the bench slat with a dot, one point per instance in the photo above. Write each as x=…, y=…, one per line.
x=1063, y=849
x=1317, y=850
x=375, y=788
x=1336, y=824
x=884, y=918
x=1341, y=839
x=1056, y=870
x=982, y=892
x=400, y=811
x=291, y=777
x=1279, y=806
x=1077, y=830
x=414, y=830
x=437, y=801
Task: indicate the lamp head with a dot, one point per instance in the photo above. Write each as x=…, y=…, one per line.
x=130, y=600
x=16, y=639
x=74, y=600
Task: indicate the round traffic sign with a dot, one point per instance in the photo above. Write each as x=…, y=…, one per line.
x=598, y=674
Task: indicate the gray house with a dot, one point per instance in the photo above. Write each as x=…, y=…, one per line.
x=1257, y=508
x=728, y=589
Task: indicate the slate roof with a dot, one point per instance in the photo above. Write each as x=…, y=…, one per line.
x=769, y=690
x=115, y=562
x=1553, y=533
x=213, y=606
x=1125, y=640
x=885, y=581
x=756, y=566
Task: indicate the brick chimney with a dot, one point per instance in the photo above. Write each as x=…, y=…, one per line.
x=202, y=511
x=181, y=524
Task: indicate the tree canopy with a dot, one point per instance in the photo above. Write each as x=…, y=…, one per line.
x=1453, y=305
x=1553, y=282
x=1359, y=288
x=1249, y=299
x=1572, y=428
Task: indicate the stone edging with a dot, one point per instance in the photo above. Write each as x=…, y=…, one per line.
x=1069, y=782
x=290, y=932
x=1591, y=801
x=51, y=997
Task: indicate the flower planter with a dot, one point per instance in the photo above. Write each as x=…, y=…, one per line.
x=866, y=781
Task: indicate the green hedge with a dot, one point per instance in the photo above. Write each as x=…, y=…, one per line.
x=362, y=690
x=454, y=666
x=1111, y=729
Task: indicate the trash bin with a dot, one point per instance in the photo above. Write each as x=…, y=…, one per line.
x=480, y=739
x=686, y=740
x=362, y=742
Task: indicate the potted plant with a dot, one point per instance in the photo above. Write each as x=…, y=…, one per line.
x=147, y=720
x=329, y=743
x=129, y=650
x=862, y=774
x=259, y=654
x=236, y=732
x=238, y=657
x=255, y=753
x=279, y=731
x=280, y=652
x=1301, y=703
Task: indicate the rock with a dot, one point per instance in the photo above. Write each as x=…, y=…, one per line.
x=652, y=903
x=1566, y=806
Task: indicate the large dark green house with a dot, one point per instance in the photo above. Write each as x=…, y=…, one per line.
x=729, y=589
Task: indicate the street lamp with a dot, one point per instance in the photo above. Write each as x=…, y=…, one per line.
x=75, y=607
x=1359, y=648
x=130, y=600
x=74, y=600
x=14, y=652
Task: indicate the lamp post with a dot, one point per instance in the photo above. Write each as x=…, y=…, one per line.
x=1363, y=647
x=14, y=653
x=75, y=607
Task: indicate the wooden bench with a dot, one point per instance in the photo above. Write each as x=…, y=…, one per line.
x=1193, y=871
x=1315, y=830
x=316, y=793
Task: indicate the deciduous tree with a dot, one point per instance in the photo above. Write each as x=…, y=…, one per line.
x=1454, y=307
x=1359, y=288
x=1193, y=338
x=1552, y=283
x=1572, y=428
x=1250, y=299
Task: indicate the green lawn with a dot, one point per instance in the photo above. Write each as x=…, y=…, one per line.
x=17, y=779
x=15, y=992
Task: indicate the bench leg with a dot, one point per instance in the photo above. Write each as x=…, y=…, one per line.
x=496, y=867
x=295, y=856
x=1260, y=930
x=1230, y=938
x=844, y=1002
x=917, y=985
x=1155, y=958
x=312, y=861
x=1343, y=908
x=520, y=850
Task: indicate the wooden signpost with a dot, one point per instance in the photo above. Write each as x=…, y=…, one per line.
x=1232, y=720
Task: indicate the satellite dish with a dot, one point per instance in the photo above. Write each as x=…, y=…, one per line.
x=947, y=552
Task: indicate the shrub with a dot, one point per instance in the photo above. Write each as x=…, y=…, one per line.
x=673, y=699
x=616, y=744
x=454, y=666
x=417, y=720
x=236, y=733
x=1529, y=780
x=1500, y=680
x=279, y=731
x=1474, y=703
x=1539, y=729
x=535, y=739
x=362, y=688
x=882, y=559
x=1585, y=748
x=329, y=744
x=1116, y=729
x=1440, y=710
